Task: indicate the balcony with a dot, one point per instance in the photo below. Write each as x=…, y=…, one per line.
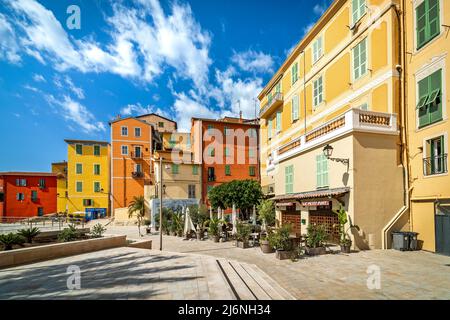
x=269, y=107
x=136, y=155
x=435, y=165
x=211, y=178
x=354, y=120
x=137, y=174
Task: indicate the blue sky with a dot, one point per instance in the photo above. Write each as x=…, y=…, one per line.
x=205, y=58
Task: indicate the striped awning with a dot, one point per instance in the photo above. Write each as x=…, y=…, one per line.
x=311, y=194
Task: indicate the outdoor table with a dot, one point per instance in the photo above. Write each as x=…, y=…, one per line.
x=255, y=237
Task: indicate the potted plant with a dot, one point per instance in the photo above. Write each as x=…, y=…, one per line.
x=265, y=243
x=279, y=240
x=242, y=235
x=10, y=239
x=29, y=234
x=199, y=216
x=315, y=242
x=157, y=222
x=147, y=223
x=214, y=228
x=266, y=213
x=177, y=225
x=344, y=240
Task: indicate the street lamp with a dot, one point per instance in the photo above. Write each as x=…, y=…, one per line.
x=328, y=152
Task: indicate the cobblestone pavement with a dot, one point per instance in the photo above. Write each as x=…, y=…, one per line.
x=120, y=273
x=403, y=275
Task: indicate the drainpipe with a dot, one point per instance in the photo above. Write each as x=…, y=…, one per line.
x=403, y=133
x=304, y=87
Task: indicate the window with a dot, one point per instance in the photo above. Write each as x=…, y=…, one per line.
x=137, y=132
x=79, y=149
x=191, y=191
x=137, y=152
x=360, y=59
x=227, y=170
x=211, y=174
x=294, y=75
x=124, y=131
x=269, y=129
x=294, y=113
x=138, y=168
x=79, y=186
x=211, y=152
x=318, y=91
x=436, y=163
x=317, y=49
x=427, y=22
x=358, y=10
x=2, y=197
x=430, y=102
x=96, y=169
x=251, y=171
x=251, y=152
x=289, y=179
x=79, y=168
x=227, y=152
x=172, y=143
x=269, y=98
x=188, y=141
x=21, y=182
x=34, y=195
x=175, y=168
x=322, y=171
x=20, y=196
x=97, y=187
x=42, y=183
x=252, y=133
x=195, y=170
x=210, y=129
x=96, y=150
x=161, y=124
x=226, y=131
x=124, y=150
x=87, y=202
x=278, y=87
x=278, y=121
x=364, y=107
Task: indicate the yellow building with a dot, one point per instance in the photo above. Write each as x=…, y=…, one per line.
x=329, y=125
x=88, y=176
x=427, y=59
x=60, y=168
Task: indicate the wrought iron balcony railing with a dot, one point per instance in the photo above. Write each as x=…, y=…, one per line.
x=137, y=174
x=435, y=165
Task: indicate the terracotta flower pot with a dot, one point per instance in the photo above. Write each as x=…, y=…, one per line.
x=265, y=247
x=242, y=244
x=346, y=248
x=283, y=255
x=216, y=238
x=315, y=251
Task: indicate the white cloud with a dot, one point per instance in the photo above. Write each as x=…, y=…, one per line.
x=31, y=88
x=137, y=109
x=319, y=9
x=76, y=114
x=76, y=90
x=9, y=49
x=38, y=78
x=253, y=61
x=186, y=108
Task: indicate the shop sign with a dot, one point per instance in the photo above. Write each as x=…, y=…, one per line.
x=315, y=203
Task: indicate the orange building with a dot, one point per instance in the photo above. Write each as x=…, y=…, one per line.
x=227, y=149
x=133, y=142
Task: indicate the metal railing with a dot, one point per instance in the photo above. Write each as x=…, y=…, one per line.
x=277, y=97
x=137, y=174
x=435, y=165
x=44, y=223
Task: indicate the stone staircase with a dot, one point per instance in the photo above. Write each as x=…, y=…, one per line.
x=245, y=281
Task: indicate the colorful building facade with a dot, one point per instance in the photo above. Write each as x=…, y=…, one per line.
x=60, y=169
x=88, y=177
x=426, y=55
x=227, y=150
x=329, y=125
x=27, y=194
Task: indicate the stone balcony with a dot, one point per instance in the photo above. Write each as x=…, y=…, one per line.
x=354, y=120
x=269, y=107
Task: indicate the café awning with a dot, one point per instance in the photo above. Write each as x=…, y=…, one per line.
x=337, y=192
x=284, y=204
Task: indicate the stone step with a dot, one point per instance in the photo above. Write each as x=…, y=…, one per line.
x=249, y=281
x=272, y=283
x=215, y=280
x=240, y=289
x=268, y=289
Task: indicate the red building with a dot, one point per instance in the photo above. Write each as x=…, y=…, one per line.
x=227, y=149
x=27, y=194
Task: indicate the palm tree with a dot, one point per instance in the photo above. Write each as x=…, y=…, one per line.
x=137, y=206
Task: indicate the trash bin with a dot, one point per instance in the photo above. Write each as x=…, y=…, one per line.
x=412, y=240
x=400, y=241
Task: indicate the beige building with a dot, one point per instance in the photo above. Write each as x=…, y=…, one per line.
x=427, y=48
x=339, y=91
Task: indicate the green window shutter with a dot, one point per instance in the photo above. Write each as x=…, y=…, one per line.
x=278, y=88
x=295, y=108
x=360, y=59
x=435, y=105
x=321, y=171
x=79, y=186
x=79, y=149
x=289, y=179
x=421, y=24
x=294, y=71
x=355, y=12
x=34, y=195
x=318, y=172
x=269, y=97
x=324, y=171
x=269, y=129
x=96, y=150
x=278, y=121
x=227, y=152
x=424, y=119
x=96, y=186
x=79, y=168
x=434, y=26
x=96, y=169
x=228, y=170
x=195, y=170
x=175, y=169
x=251, y=171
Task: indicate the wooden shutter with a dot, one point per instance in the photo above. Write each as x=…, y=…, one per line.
x=295, y=108
x=355, y=6
x=435, y=107
x=423, y=94
x=433, y=19
x=421, y=24
x=324, y=171
x=278, y=121
x=227, y=170
x=269, y=129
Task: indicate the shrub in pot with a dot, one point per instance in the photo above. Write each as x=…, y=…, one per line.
x=97, y=231
x=344, y=240
x=29, y=234
x=147, y=223
x=315, y=242
x=242, y=235
x=265, y=243
x=10, y=239
x=280, y=240
x=266, y=213
x=214, y=228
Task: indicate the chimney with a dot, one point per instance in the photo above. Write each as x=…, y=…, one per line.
x=240, y=116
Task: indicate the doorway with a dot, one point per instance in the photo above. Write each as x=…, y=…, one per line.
x=442, y=228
